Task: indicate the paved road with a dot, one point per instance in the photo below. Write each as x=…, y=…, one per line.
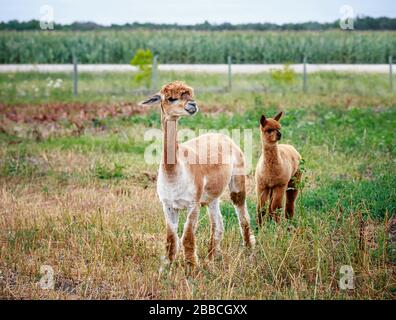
x=204, y=68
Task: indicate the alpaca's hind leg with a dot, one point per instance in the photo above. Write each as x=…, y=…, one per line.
x=262, y=197
x=188, y=238
x=217, y=228
x=238, y=197
x=291, y=195
x=277, y=201
x=172, y=239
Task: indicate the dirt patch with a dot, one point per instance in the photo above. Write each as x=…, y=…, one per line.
x=214, y=109
x=74, y=112
x=78, y=113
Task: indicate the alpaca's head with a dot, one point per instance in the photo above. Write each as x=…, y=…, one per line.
x=176, y=100
x=270, y=129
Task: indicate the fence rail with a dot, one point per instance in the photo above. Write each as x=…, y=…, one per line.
x=228, y=68
x=202, y=68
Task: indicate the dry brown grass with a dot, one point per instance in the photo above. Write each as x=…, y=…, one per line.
x=106, y=240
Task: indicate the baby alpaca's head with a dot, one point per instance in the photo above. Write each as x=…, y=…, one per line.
x=270, y=129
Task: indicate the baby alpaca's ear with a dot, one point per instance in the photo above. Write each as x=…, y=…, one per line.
x=278, y=116
x=263, y=120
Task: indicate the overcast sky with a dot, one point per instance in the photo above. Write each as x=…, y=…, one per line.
x=191, y=12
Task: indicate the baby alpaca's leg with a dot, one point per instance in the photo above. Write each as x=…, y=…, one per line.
x=291, y=195
x=262, y=197
x=277, y=200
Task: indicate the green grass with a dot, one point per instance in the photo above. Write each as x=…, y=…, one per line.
x=198, y=47
x=85, y=202
x=17, y=88
x=104, y=172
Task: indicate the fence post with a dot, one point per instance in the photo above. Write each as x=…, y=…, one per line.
x=154, y=73
x=305, y=74
x=229, y=73
x=75, y=75
x=390, y=74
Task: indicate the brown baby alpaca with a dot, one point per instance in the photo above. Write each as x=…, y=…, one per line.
x=277, y=171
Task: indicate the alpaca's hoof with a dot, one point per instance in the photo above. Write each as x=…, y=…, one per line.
x=191, y=259
x=191, y=266
x=214, y=254
x=251, y=242
x=252, y=258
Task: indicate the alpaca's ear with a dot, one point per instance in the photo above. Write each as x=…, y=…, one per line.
x=150, y=101
x=263, y=120
x=278, y=116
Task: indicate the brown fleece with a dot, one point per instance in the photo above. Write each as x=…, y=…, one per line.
x=277, y=172
x=213, y=160
x=176, y=90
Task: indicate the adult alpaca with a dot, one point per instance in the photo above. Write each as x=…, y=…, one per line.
x=196, y=172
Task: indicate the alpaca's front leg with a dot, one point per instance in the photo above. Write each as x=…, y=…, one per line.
x=188, y=238
x=277, y=201
x=262, y=197
x=172, y=239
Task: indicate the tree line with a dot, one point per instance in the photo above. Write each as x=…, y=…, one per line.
x=360, y=23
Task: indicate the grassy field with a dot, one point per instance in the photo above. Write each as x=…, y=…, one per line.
x=76, y=193
x=174, y=46
x=330, y=88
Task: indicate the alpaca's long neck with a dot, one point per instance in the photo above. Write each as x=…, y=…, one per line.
x=271, y=154
x=169, y=146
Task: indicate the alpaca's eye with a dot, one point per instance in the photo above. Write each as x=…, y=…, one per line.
x=172, y=100
x=270, y=130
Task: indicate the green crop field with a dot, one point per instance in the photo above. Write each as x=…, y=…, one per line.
x=76, y=193
x=198, y=47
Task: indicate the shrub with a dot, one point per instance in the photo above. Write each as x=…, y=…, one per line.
x=143, y=61
x=284, y=76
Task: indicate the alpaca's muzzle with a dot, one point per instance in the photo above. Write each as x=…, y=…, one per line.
x=191, y=107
